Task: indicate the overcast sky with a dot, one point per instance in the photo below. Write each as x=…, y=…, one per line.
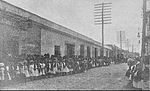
x=78, y=15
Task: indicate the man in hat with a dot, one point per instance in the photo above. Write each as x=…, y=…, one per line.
x=130, y=62
x=137, y=78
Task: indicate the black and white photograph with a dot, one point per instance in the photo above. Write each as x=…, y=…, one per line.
x=74, y=44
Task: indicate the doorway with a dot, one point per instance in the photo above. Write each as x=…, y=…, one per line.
x=70, y=50
x=96, y=53
x=88, y=52
x=82, y=50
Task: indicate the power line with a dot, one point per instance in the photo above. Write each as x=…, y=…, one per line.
x=103, y=12
x=96, y=23
x=101, y=17
x=103, y=9
x=101, y=4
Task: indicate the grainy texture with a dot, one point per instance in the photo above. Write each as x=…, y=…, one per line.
x=103, y=78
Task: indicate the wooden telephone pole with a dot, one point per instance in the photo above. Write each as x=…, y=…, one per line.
x=132, y=48
x=128, y=44
x=121, y=40
x=102, y=16
x=144, y=29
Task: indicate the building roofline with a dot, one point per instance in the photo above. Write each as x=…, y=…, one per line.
x=39, y=19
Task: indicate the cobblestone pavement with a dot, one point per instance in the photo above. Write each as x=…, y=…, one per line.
x=102, y=78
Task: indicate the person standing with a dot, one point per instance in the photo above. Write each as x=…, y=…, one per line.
x=85, y=65
x=2, y=69
x=31, y=68
x=25, y=68
x=7, y=72
x=36, y=68
x=46, y=65
x=55, y=66
x=131, y=68
x=12, y=71
x=145, y=74
x=137, y=78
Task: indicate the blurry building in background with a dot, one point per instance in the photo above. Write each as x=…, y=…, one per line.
x=22, y=33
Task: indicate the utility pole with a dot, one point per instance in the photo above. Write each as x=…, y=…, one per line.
x=132, y=48
x=121, y=40
x=144, y=29
x=127, y=44
x=102, y=16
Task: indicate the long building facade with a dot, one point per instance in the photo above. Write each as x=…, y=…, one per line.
x=22, y=32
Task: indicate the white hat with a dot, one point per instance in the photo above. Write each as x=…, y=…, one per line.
x=137, y=62
x=1, y=64
x=10, y=55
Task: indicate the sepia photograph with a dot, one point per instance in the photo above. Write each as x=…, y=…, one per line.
x=74, y=44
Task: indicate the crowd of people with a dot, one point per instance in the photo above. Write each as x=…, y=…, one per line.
x=33, y=66
x=120, y=59
x=138, y=73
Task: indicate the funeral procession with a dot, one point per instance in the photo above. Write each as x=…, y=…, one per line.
x=74, y=44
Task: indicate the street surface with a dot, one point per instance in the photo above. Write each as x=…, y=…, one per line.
x=102, y=78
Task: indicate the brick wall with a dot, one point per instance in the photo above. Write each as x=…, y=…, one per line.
x=15, y=41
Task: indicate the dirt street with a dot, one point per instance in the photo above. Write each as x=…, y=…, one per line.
x=102, y=78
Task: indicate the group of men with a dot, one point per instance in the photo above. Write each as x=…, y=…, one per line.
x=44, y=65
x=138, y=73
x=120, y=59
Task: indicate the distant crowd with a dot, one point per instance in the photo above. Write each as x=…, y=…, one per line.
x=33, y=66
